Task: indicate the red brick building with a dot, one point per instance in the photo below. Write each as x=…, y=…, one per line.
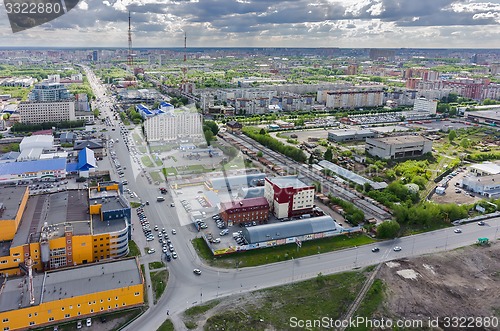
x=246, y=210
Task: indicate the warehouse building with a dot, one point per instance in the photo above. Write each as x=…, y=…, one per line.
x=350, y=135
x=274, y=234
x=488, y=186
x=71, y=294
x=234, y=183
x=35, y=170
x=62, y=229
x=397, y=147
x=490, y=117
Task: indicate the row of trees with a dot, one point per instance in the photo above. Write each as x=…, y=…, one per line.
x=265, y=139
x=26, y=127
x=210, y=130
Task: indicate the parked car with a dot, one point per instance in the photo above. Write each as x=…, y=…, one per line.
x=89, y=322
x=173, y=231
x=79, y=324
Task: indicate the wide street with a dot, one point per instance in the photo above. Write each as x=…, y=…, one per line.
x=186, y=289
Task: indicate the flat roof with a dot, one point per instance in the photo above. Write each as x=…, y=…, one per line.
x=488, y=167
x=57, y=209
x=389, y=129
x=485, y=180
x=394, y=140
x=350, y=132
x=287, y=181
x=72, y=282
x=488, y=114
x=233, y=206
x=10, y=198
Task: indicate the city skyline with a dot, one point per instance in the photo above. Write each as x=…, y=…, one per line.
x=256, y=23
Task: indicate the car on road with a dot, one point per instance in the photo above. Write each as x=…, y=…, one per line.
x=89, y=322
x=79, y=324
x=173, y=231
x=375, y=249
x=197, y=272
x=397, y=249
x=457, y=230
x=481, y=223
x=174, y=255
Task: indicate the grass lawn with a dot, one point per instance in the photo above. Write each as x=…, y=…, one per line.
x=271, y=309
x=146, y=160
x=156, y=265
x=137, y=138
x=142, y=149
x=158, y=162
x=156, y=176
x=133, y=249
x=134, y=204
x=279, y=253
x=166, y=326
x=201, y=309
x=161, y=148
x=169, y=170
x=159, y=282
x=373, y=299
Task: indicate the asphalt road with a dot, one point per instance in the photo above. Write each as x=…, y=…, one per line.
x=186, y=289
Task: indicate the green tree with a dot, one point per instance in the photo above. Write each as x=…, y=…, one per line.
x=262, y=131
x=465, y=143
x=388, y=230
x=212, y=126
x=328, y=154
x=260, y=154
x=209, y=136
x=452, y=135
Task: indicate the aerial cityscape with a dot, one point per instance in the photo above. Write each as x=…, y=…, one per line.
x=329, y=165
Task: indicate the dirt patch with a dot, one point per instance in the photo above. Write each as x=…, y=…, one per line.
x=463, y=282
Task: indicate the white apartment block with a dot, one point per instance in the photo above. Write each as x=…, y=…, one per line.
x=354, y=99
x=173, y=126
x=397, y=147
x=426, y=106
x=41, y=112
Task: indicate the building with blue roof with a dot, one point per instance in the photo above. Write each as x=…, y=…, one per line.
x=37, y=170
x=144, y=111
x=86, y=162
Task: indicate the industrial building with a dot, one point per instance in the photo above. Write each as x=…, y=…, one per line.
x=397, y=147
x=53, y=297
x=288, y=196
x=490, y=117
x=350, y=135
x=484, y=169
x=487, y=185
x=64, y=228
x=246, y=210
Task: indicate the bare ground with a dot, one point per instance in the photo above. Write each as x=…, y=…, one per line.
x=460, y=283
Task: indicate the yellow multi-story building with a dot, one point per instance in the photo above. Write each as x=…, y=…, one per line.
x=70, y=294
x=65, y=228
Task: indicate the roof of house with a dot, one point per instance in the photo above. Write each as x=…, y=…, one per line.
x=489, y=167
x=86, y=159
x=92, y=144
x=238, y=205
x=287, y=181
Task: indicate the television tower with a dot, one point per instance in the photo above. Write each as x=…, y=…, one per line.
x=130, y=58
x=184, y=68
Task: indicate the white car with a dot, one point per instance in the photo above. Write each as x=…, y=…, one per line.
x=397, y=249
x=151, y=251
x=457, y=230
x=174, y=255
x=173, y=231
x=89, y=322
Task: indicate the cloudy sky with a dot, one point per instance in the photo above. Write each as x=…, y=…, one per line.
x=268, y=23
